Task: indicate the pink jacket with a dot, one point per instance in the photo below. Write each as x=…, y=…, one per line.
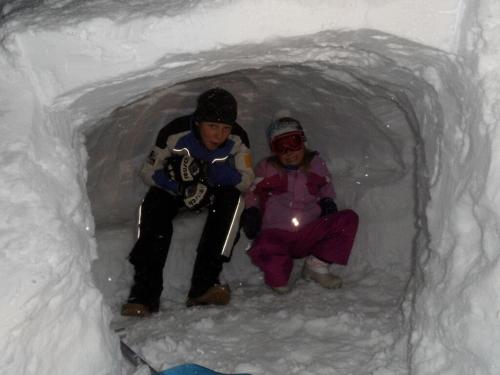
x=289, y=199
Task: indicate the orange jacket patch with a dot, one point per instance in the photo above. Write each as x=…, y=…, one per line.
x=248, y=160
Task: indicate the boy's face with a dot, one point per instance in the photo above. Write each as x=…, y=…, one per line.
x=292, y=158
x=213, y=134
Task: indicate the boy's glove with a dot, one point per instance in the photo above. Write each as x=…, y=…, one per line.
x=328, y=206
x=251, y=222
x=194, y=194
x=186, y=169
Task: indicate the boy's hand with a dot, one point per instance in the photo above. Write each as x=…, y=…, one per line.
x=186, y=169
x=194, y=194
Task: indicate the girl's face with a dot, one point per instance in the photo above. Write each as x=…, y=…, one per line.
x=292, y=158
x=289, y=148
x=213, y=134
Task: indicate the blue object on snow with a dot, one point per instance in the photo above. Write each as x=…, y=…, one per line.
x=185, y=369
x=192, y=369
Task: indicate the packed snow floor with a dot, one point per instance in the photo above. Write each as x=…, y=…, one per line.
x=357, y=329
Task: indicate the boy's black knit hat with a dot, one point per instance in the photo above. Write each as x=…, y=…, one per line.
x=216, y=105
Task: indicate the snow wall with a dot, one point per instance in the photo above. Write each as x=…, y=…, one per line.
x=68, y=66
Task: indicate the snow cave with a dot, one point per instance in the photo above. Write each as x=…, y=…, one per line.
x=403, y=120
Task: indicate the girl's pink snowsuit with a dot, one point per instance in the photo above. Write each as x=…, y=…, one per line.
x=291, y=222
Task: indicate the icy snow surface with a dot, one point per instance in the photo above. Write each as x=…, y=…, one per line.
x=400, y=97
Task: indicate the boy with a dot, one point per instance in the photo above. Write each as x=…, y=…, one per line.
x=201, y=160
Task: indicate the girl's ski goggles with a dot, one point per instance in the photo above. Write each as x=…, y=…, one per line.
x=293, y=141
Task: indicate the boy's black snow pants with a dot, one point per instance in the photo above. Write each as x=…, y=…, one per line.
x=149, y=254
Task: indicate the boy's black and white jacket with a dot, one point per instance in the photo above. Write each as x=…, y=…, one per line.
x=230, y=163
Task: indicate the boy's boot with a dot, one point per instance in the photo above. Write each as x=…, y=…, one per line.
x=317, y=270
x=135, y=309
x=138, y=309
x=215, y=295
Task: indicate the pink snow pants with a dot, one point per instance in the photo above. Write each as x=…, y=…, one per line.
x=329, y=238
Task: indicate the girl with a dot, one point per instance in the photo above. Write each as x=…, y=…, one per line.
x=291, y=212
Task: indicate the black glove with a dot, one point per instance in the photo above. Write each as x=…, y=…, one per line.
x=328, y=206
x=251, y=222
x=186, y=169
x=194, y=194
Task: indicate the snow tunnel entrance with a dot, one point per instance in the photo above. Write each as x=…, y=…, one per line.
x=361, y=130
x=367, y=130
